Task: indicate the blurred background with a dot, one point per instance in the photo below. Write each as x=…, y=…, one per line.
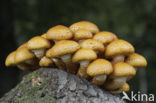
x=132, y=20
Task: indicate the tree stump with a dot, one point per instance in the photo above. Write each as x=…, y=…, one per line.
x=51, y=85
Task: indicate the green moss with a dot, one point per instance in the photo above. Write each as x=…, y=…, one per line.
x=37, y=93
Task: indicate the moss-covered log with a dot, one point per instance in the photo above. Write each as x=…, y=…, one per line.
x=48, y=85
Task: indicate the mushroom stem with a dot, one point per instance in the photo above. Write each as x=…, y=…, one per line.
x=99, y=80
x=59, y=63
x=118, y=58
x=71, y=67
x=39, y=53
x=82, y=70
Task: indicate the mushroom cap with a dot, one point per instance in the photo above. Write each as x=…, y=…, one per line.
x=59, y=32
x=119, y=47
x=105, y=37
x=99, y=67
x=38, y=42
x=44, y=35
x=136, y=60
x=45, y=61
x=84, y=54
x=22, y=55
x=63, y=47
x=122, y=69
x=10, y=60
x=84, y=25
x=125, y=87
x=92, y=44
x=24, y=45
x=82, y=34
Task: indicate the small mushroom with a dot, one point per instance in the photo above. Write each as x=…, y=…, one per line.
x=118, y=49
x=124, y=88
x=38, y=46
x=56, y=34
x=83, y=56
x=119, y=76
x=105, y=37
x=97, y=46
x=64, y=50
x=137, y=61
x=45, y=62
x=84, y=25
x=99, y=69
x=10, y=60
x=82, y=34
x=59, y=32
x=25, y=59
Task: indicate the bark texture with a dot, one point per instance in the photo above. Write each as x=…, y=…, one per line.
x=48, y=85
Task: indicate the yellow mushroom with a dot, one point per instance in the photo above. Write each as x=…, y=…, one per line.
x=137, y=61
x=97, y=46
x=99, y=69
x=82, y=34
x=118, y=49
x=83, y=56
x=121, y=71
x=105, y=37
x=58, y=33
x=84, y=25
x=25, y=59
x=38, y=46
x=64, y=50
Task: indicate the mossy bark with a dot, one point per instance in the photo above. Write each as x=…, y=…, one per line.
x=48, y=85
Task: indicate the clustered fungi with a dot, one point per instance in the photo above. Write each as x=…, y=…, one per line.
x=81, y=49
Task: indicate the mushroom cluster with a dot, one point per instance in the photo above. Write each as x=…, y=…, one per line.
x=81, y=49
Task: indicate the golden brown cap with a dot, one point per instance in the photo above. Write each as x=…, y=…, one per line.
x=136, y=60
x=22, y=55
x=84, y=25
x=82, y=34
x=10, y=60
x=105, y=37
x=63, y=47
x=44, y=35
x=45, y=62
x=59, y=32
x=84, y=54
x=119, y=47
x=122, y=69
x=92, y=44
x=38, y=42
x=99, y=67
x=23, y=46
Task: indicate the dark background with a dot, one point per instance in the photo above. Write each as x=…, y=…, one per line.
x=132, y=20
